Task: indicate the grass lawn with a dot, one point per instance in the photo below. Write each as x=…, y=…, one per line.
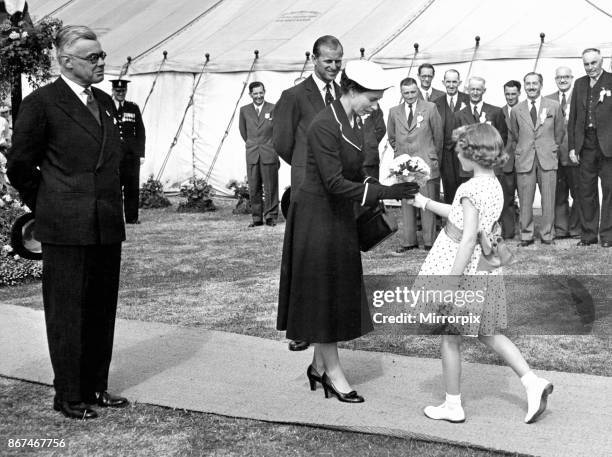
x=211, y=271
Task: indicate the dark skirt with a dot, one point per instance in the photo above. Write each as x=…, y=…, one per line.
x=322, y=298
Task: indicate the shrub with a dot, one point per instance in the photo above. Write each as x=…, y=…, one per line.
x=241, y=192
x=152, y=194
x=199, y=197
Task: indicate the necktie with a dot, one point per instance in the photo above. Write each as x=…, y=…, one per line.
x=410, y=115
x=357, y=125
x=92, y=105
x=476, y=115
x=563, y=103
x=427, y=95
x=258, y=109
x=533, y=113
x=329, y=98
x=452, y=104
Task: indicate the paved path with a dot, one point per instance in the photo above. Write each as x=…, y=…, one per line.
x=243, y=376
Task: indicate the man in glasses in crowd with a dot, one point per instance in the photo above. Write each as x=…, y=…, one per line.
x=65, y=164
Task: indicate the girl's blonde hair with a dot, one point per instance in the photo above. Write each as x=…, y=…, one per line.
x=482, y=144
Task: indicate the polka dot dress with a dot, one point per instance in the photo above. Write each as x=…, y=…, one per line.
x=489, y=302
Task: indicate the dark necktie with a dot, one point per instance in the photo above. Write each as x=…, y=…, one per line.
x=357, y=126
x=329, y=98
x=410, y=115
x=533, y=113
x=476, y=114
x=563, y=104
x=92, y=105
x=452, y=104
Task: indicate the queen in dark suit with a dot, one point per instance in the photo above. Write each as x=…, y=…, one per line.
x=322, y=297
x=65, y=164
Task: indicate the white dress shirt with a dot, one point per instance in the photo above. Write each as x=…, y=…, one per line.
x=77, y=89
x=322, y=89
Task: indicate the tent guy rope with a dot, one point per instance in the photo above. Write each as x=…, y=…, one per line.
x=161, y=65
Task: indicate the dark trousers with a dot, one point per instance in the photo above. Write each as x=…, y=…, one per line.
x=263, y=190
x=372, y=170
x=450, y=176
x=594, y=164
x=567, y=219
x=508, y=215
x=130, y=184
x=80, y=287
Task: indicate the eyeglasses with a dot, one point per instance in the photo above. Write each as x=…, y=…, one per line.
x=563, y=77
x=91, y=58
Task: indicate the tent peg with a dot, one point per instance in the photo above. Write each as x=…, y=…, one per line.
x=165, y=54
x=477, y=39
x=362, y=51
x=542, y=35
x=207, y=55
x=256, y=53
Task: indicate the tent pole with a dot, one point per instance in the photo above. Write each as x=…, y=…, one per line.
x=469, y=72
x=125, y=67
x=307, y=53
x=535, y=65
x=226, y=133
x=180, y=127
x=154, y=81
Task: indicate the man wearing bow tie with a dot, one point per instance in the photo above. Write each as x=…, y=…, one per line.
x=255, y=124
x=65, y=164
x=590, y=145
x=132, y=133
x=536, y=131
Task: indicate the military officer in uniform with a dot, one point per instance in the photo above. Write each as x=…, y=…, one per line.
x=132, y=132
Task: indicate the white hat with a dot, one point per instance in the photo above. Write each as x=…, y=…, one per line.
x=367, y=74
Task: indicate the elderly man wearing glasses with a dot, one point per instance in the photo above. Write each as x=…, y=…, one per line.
x=65, y=164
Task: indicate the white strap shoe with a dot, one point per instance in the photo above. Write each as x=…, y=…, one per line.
x=453, y=413
x=537, y=396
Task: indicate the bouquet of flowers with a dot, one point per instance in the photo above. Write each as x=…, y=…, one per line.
x=407, y=168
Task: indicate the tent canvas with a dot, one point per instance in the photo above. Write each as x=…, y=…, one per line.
x=283, y=30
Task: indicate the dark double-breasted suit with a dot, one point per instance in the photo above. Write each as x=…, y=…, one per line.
x=450, y=168
x=567, y=219
x=133, y=139
x=65, y=166
x=593, y=145
x=294, y=111
x=261, y=160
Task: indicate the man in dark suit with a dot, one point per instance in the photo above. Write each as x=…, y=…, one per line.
x=374, y=130
x=65, y=164
x=296, y=109
x=512, y=92
x=479, y=111
x=426, y=75
x=567, y=219
x=590, y=145
x=255, y=126
x=298, y=105
x=132, y=133
x=448, y=105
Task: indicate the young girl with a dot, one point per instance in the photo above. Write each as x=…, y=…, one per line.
x=456, y=254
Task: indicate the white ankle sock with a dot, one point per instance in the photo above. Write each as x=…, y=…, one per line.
x=453, y=400
x=528, y=378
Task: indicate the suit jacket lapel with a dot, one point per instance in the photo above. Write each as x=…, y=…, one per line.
x=70, y=103
x=313, y=94
x=107, y=123
x=345, y=126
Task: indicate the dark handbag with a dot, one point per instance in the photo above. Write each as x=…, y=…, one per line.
x=374, y=226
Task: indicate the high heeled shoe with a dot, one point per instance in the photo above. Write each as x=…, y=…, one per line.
x=313, y=377
x=329, y=388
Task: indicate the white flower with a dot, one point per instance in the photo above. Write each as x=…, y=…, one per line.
x=420, y=118
x=462, y=106
x=604, y=93
x=24, y=34
x=2, y=204
x=405, y=172
x=7, y=198
x=14, y=35
x=267, y=116
x=7, y=248
x=543, y=115
x=483, y=117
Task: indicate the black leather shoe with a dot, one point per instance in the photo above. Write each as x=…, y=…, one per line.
x=606, y=244
x=298, y=345
x=584, y=243
x=525, y=243
x=548, y=242
x=255, y=224
x=271, y=222
x=329, y=389
x=313, y=377
x=74, y=410
x=402, y=250
x=427, y=248
x=133, y=222
x=107, y=400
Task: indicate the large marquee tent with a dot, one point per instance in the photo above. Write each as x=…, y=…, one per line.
x=510, y=44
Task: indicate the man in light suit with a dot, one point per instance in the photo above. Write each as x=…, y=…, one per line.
x=298, y=105
x=512, y=92
x=590, y=145
x=477, y=111
x=567, y=220
x=255, y=124
x=65, y=164
x=426, y=74
x=537, y=129
x=415, y=128
x=448, y=105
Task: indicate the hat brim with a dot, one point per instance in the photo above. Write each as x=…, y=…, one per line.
x=23, y=238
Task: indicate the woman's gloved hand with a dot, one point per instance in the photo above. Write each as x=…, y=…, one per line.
x=399, y=191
